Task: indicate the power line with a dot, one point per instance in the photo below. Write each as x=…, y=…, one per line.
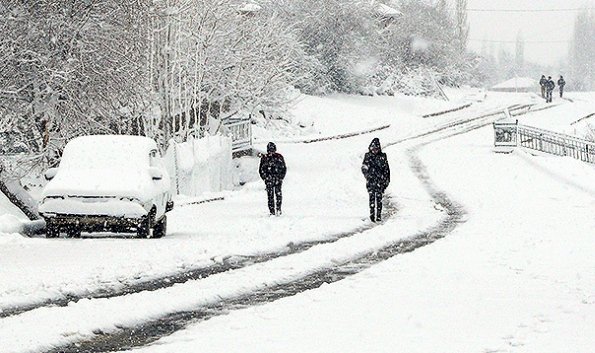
x=520, y=10
x=523, y=41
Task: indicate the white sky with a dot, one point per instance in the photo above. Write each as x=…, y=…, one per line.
x=535, y=26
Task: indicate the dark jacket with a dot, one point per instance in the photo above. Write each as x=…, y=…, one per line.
x=543, y=81
x=550, y=85
x=272, y=167
x=561, y=82
x=375, y=168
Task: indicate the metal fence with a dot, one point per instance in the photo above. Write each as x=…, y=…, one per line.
x=241, y=134
x=515, y=134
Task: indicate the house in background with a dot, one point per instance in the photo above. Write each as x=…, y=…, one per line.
x=517, y=84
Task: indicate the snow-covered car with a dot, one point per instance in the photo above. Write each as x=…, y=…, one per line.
x=109, y=183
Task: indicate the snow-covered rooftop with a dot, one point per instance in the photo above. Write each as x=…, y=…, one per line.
x=388, y=11
x=518, y=82
x=250, y=7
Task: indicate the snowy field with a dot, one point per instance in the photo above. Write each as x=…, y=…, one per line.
x=516, y=274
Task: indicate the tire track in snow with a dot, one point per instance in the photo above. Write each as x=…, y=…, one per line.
x=228, y=263
x=142, y=335
x=232, y=262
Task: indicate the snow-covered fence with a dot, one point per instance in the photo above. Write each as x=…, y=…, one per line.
x=240, y=132
x=556, y=143
x=200, y=165
x=515, y=134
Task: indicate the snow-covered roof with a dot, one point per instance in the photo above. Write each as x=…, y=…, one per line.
x=388, y=11
x=250, y=7
x=518, y=82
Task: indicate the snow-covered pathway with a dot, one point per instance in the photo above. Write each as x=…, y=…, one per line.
x=517, y=276
x=416, y=208
x=324, y=197
x=320, y=205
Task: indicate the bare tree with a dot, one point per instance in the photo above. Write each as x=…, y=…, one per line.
x=461, y=25
x=69, y=68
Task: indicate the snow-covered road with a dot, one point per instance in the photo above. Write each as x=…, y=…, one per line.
x=517, y=276
x=324, y=199
x=326, y=205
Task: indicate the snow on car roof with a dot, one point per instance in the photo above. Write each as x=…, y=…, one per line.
x=107, y=151
x=106, y=165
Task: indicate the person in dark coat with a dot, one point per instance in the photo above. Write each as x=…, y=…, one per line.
x=543, y=83
x=561, y=84
x=549, y=89
x=272, y=170
x=377, y=173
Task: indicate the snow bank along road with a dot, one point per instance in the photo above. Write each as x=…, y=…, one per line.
x=136, y=319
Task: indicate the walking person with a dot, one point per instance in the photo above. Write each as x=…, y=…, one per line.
x=377, y=173
x=549, y=89
x=561, y=84
x=543, y=83
x=272, y=171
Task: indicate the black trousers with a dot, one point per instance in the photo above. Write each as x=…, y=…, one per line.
x=375, y=204
x=561, y=91
x=548, y=96
x=275, y=197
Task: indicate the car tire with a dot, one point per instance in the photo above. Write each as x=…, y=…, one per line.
x=51, y=230
x=160, y=228
x=73, y=232
x=144, y=227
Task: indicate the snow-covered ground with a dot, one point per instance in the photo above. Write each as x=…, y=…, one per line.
x=517, y=276
x=11, y=219
x=324, y=196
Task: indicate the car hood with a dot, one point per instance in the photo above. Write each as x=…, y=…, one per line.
x=101, y=183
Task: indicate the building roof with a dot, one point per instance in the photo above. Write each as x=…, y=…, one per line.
x=250, y=7
x=388, y=11
x=517, y=82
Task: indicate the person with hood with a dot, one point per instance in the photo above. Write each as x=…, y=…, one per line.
x=561, y=84
x=272, y=171
x=543, y=84
x=549, y=89
x=377, y=173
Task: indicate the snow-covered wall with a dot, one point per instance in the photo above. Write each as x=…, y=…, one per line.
x=200, y=165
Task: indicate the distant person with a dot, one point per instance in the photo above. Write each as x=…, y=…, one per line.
x=377, y=172
x=549, y=89
x=272, y=170
x=561, y=84
x=543, y=84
